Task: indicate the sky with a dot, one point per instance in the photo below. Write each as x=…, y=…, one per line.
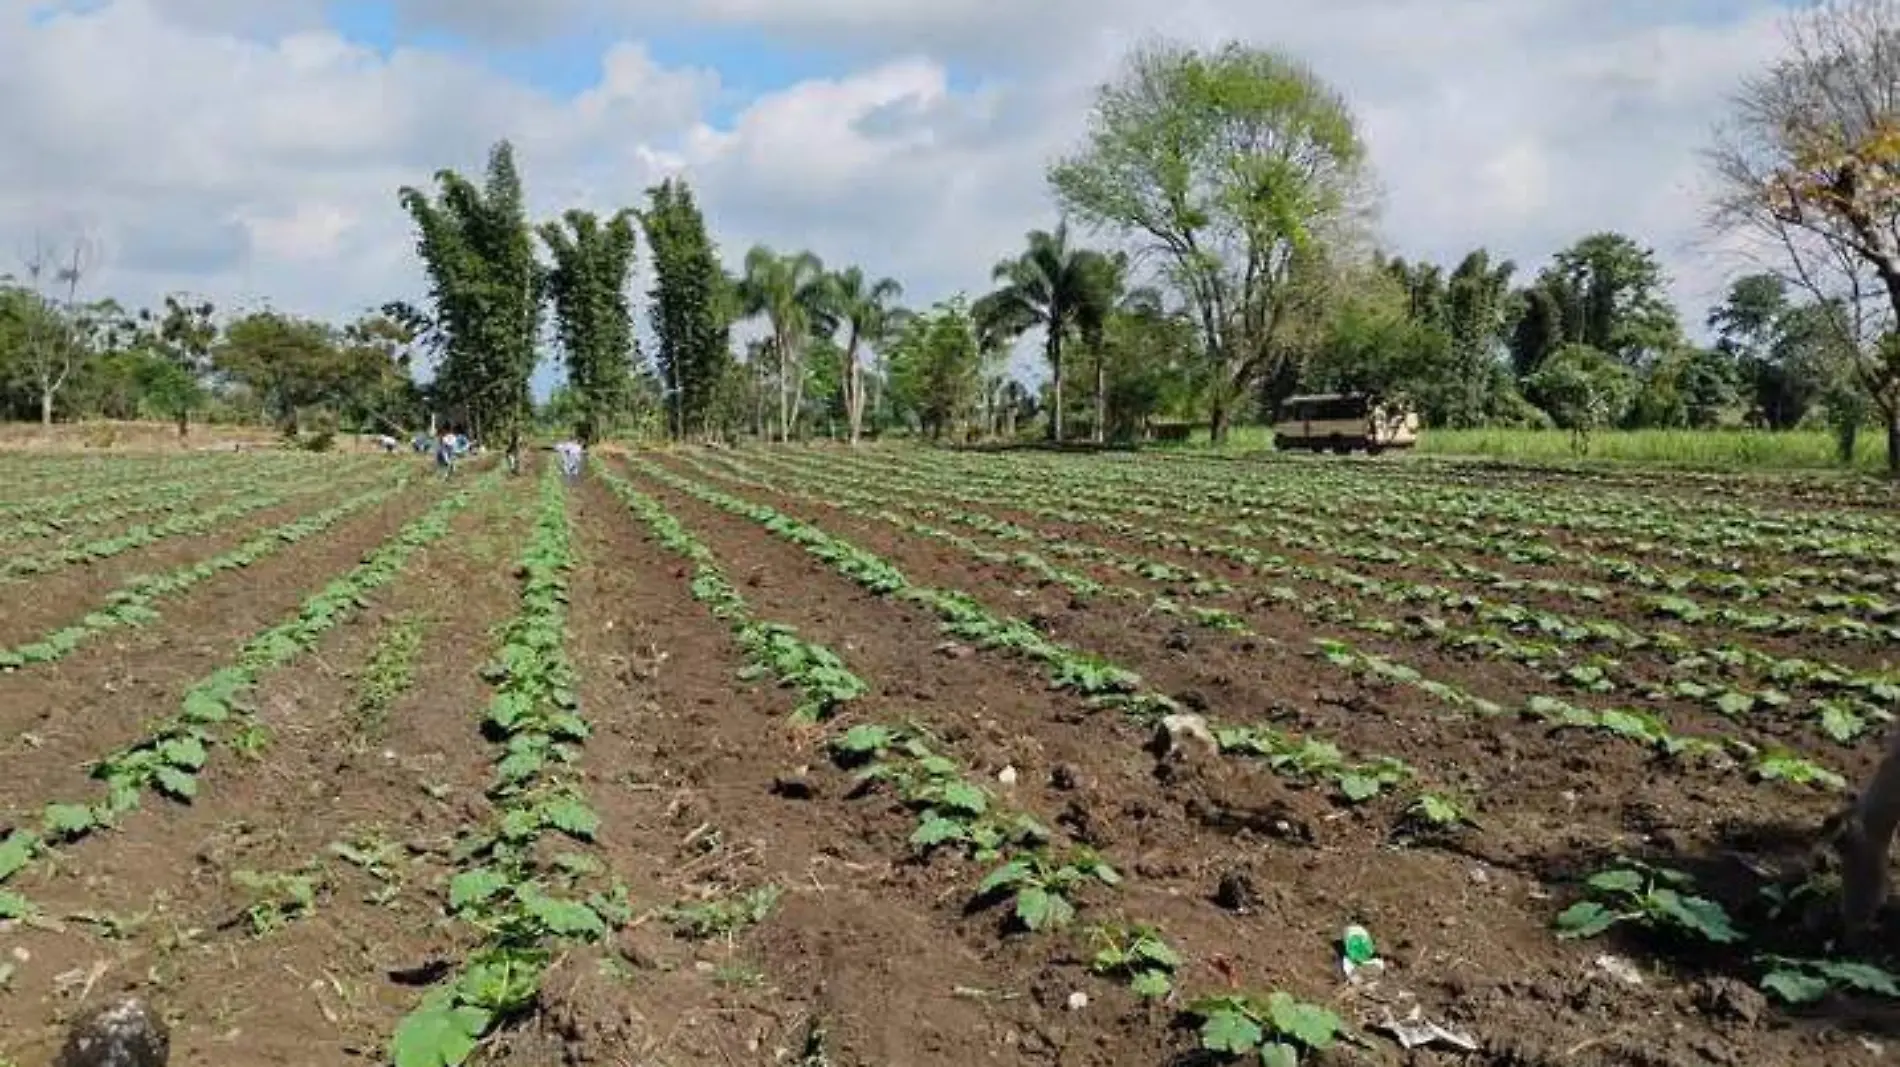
x=250, y=152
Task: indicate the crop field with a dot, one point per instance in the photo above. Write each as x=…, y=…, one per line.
x=905, y=757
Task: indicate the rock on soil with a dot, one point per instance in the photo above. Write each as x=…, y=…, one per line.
x=122, y=1033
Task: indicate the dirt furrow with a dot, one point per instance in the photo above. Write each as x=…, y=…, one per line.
x=75, y=710
x=1312, y=866
x=397, y=792
x=37, y=604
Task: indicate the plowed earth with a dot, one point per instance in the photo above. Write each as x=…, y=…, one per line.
x=871, y=954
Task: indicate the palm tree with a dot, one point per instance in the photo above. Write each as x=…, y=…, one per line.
x=792, y=293
x=1105, y=296
x=865, y=309
x=1049, y=285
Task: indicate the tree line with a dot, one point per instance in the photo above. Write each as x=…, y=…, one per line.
x=64, y=356
x=1226, y=260
x=1213, y=253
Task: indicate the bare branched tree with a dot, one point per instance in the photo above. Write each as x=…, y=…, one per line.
x=1808, y=170
x=51, y=339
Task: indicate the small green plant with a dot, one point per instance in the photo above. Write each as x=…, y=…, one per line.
x=378, y=858
x=820, y=676
x=1779, y=766
x=251, y=740
x=1138, y=954
x=1652, y=897
x=277, y=898
x=725, y=916
x=951, y=810
x=1040, y=885
x=498, y=982
x=1437, y=812
x=1806, y=981
x=1274, y=1028
x=738, y=975
x=390, y=672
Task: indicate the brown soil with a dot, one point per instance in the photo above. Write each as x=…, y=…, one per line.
x=1640, y=671
x=706, y=789
x=40, y=603
x=1547, y=819
x=131, y=438
x=58, y=717
x=323, y=779
x=1288, y=634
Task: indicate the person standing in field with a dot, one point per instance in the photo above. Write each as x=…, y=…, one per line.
x=571, y=453
x=445, y=454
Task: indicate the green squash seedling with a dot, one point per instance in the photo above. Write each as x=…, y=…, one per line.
x=1275, y=1028
x=1652, y=897
x=1137, y=954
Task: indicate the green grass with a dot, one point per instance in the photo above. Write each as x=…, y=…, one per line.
x=1697, y=449
x=1703, y=449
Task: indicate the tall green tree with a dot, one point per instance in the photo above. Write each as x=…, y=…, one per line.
x=864, y=309
x=1228, y=167
x=1423, y=285
x=936, y=367
x=792, y=292
x=183, y=332
x=1052, y=285
x=1538, y=330
x=1476, y=312
x=1153, y=367
x=1105, y=294
x=1612, y=295
x=690, y=305
x=487, y=287
x=293, y=364
x=1786, y=353
x=1583, y=389
x=381, y=352
x=1386, y=335
x=594, y=317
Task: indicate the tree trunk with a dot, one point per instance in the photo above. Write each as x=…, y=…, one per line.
x=1055, y=370
x=676, y=417
x=856, y=410
x=1217, y=423
x=1893, y=442
x=784, y=394
x=1101, y=398
x=798, y=395
x=46, y=407
x=853, y=389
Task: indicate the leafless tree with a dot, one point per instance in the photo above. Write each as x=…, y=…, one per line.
x=1808, y=173
x=51, y=341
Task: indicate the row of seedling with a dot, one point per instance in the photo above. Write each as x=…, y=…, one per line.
x=1097, y=680
x=522, y=884
x=216, y=709
x=133, y=602
x=1041, y=884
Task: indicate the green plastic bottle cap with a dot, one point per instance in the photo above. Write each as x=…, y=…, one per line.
x=1357, y=941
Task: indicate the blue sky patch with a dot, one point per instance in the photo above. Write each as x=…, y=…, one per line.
x=750, y=62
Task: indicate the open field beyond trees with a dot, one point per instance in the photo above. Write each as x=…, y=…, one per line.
x=898, y=756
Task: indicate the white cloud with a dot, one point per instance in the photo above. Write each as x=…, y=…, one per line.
x=244, y=151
